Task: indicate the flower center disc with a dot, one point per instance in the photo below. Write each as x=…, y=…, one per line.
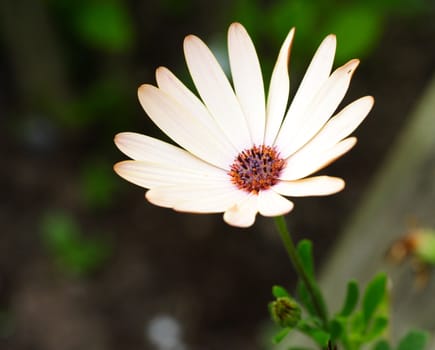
x=257, y=168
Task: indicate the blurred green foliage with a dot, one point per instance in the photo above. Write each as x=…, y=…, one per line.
x=357, y=24
x=105, y=25
x=75, y=253
x=100, y=85
x=102, y=100
x=177, y=7
x=413, y=340
x=358, y=29
x=98, y=183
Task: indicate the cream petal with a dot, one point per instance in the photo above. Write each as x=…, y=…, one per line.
x=184, y=128
x=316, y=75
x=337, y=128
x=143, y=147
x=271, y=203
x=347, y=120
x=216, y=91
x=210, y=204
x=247, y=80
x=300, y=167
x=243, y=213
x=294, y=135
x=196, y=198
x=278, y=91
x=170, y=84
x=311, y=186
x=148, y=174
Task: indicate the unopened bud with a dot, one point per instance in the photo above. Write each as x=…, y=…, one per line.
x=285, y=312
x=425, y=245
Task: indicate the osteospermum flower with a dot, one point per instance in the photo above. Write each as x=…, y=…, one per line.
x=242, y=154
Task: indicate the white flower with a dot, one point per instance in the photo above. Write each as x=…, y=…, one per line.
x=240, y=152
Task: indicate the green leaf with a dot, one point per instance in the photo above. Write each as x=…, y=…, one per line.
x=382, y=345
x=305, y=252
x=377, y=327
x=281, y=335
x=373, y=296
x=305, y=298
x=351, y=299
x=336, y=327
x=414, y=340
x=279, y=292
x=318, y=335
x=356, y=323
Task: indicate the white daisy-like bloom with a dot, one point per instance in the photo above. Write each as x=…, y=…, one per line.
x=242, y=154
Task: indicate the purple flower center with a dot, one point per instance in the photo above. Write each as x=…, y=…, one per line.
x=256, y=169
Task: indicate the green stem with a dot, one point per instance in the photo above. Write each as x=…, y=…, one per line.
x=316, y=298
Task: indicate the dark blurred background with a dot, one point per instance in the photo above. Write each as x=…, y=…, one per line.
x=85, y=261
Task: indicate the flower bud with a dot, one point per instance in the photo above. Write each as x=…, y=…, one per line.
x=425, y=246
x=285, y=312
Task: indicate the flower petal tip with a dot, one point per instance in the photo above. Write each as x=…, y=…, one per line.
x=118, y=168
x=341, y=184
x=331, y=37
x=351, y=65
x=330, y=42
x=241, y=215
x=371, y=99
x=119, y=138
x=190, y=39
x=289, y=38
x=161, y=71
x=143, y=89
x=272, y=204
x=149, y=196
x=237, y=223
x=236, y=26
